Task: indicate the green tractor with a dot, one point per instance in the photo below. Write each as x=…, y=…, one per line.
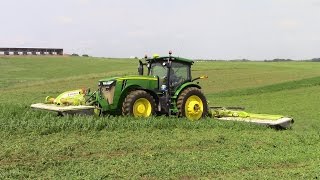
x=163, y=86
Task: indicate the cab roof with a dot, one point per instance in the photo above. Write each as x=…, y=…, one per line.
x=173, y=58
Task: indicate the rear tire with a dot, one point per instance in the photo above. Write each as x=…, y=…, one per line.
x=138, y=103
x=192, y=104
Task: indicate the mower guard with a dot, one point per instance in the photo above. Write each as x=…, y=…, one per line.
x=282, y=123
x=64, y=110
x=274, y=121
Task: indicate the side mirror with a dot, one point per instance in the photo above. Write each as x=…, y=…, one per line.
x=201, y=77
x=140, y=68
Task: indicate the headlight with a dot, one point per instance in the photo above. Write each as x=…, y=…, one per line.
x=106, y=83
x=107, y=89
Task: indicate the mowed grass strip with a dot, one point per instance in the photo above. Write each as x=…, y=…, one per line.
x=24, y=70
x=290, y=85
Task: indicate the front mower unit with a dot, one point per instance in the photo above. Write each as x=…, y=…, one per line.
x=65, y=110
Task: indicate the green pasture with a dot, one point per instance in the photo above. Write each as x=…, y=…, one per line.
x=41, y=145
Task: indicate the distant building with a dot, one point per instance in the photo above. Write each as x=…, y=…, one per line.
x=31, y=51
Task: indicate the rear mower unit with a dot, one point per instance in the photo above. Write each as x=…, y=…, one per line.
x=164, y=86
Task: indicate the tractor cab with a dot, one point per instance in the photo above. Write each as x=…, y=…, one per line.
x=176, y=92
x=171, y=71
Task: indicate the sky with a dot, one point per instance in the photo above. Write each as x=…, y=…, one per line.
x=197, y=29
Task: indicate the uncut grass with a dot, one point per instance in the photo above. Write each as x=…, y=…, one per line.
x=42, y=145
x=162, y=147
x=160, y=153
x=17, y=119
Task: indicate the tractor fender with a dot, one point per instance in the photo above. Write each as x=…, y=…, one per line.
x=184, y=86
x=153, y=94
x=125, y=92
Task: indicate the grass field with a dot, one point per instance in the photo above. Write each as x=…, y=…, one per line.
x=41, y=145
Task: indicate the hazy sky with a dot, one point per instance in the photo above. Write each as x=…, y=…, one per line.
x=215, y=29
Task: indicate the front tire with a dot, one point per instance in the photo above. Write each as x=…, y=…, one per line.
x=138, y=103
x=192, y=104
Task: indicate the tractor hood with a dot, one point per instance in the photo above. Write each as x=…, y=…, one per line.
x=115, y=88
x=107, y=81
x=133, y=77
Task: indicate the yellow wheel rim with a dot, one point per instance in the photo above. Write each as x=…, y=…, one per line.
x=142, y=108
x=193, y=108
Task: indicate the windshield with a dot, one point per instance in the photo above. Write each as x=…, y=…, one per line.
x=179, y=73
x=157, y=69
x=178, y=69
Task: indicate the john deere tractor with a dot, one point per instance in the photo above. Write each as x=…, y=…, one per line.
x=163, y=86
